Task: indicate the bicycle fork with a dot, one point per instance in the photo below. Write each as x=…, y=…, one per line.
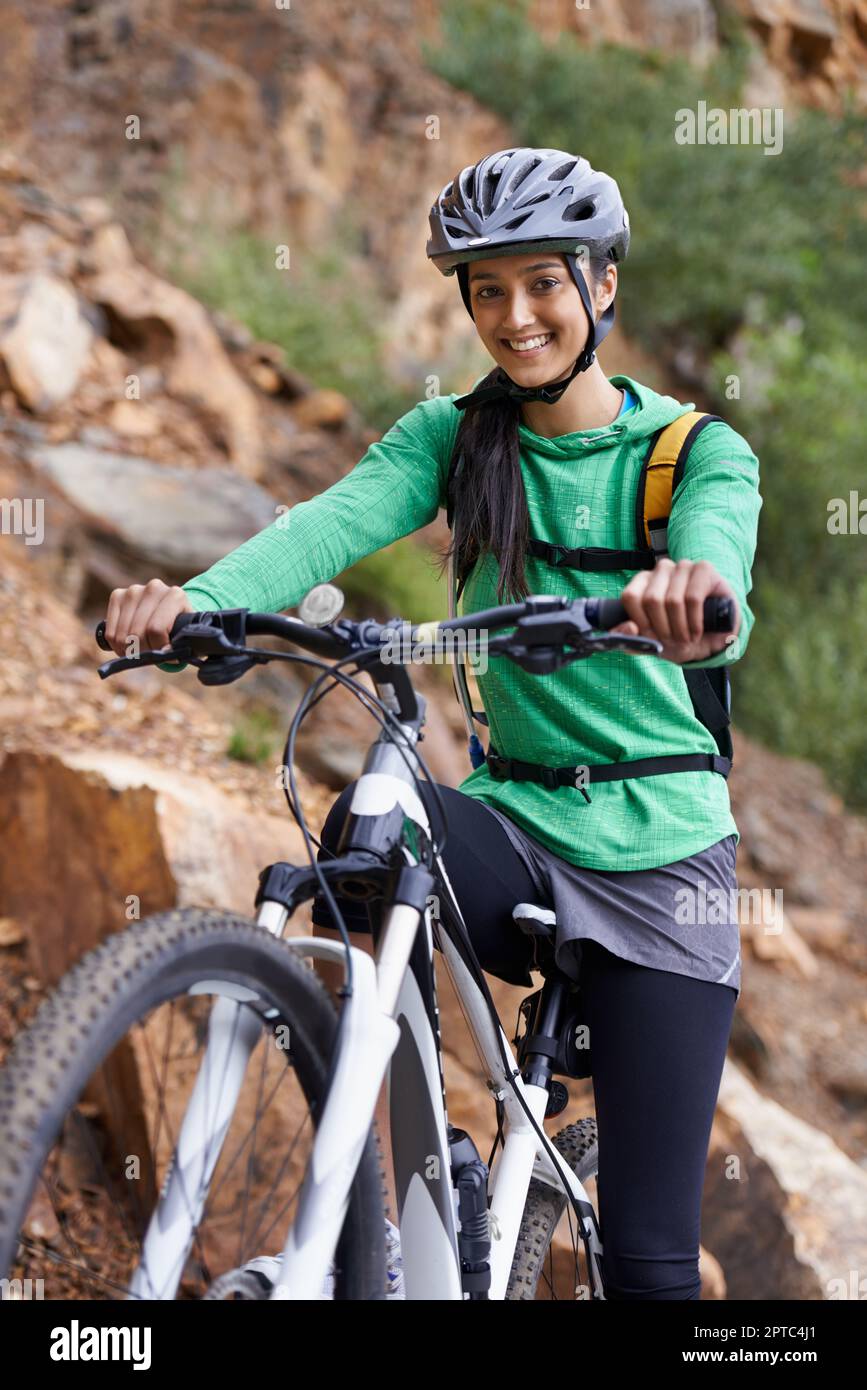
x=232, y=1035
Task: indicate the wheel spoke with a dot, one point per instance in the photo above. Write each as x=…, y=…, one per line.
x=140, y=1058
x=176, y=1167
x=251, y=1158
x=288, y=1202
x=46, y=1253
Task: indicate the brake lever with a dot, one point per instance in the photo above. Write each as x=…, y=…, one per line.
x=617, y=642
x=222, y=636
x=542, y=660
x=130, y=663
x=621, y=641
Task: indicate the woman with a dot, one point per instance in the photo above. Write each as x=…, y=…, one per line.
x=550, y=452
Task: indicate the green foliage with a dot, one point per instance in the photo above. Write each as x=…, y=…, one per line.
x=765, y=221
x=257, y=737
x=398, y=581
x=801, y=685
x=808, y=698
x=755, y=262
x=400, y=578
x=324, y=310
x=806, y=422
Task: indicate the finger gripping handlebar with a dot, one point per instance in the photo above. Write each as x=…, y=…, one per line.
x=180, y=621
x=609, y=612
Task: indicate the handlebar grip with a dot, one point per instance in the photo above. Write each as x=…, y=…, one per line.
x=180, y=621
x=608, y=612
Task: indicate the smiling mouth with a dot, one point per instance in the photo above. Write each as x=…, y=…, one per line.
x=529, y=352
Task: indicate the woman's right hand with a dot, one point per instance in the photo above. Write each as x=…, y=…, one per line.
x=146, y=611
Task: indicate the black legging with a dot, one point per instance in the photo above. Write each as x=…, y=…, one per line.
x=659, y=1043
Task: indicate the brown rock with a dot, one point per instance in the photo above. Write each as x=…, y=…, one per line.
x=157, y=321
x=44, y=339
x=10, y=932
x=823, y=929
x=124, y=839
x=849, y=1083
x=108, y=249
x=784, y=1209
x=134, y=419
x=772, y=936
x=266, y=377
x=325, y=410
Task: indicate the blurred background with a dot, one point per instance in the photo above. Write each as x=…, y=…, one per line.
x=214, y=296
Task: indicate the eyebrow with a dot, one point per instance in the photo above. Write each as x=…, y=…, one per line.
x=540, y=265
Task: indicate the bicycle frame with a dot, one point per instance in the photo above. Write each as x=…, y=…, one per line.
x=412, y=1063
x=390, y=1031
x=418, y=1120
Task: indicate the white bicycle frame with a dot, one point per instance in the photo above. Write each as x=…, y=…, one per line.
x=391, y=1030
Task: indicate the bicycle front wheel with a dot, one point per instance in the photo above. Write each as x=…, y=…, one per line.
x=93, y=1099
x=545, y=1207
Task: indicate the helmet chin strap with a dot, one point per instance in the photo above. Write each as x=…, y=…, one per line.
x=552, y=390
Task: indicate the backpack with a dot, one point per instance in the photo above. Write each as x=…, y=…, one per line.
x=661, y=472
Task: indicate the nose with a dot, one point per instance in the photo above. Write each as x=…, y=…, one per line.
x=522, y=316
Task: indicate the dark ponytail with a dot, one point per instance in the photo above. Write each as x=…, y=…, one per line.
x=490, y=504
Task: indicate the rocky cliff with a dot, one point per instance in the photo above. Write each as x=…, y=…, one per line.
x=160, y=436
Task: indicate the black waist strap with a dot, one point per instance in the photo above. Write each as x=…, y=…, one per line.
x=514, y=770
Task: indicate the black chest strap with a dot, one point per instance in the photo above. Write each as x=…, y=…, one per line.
x=597, y=559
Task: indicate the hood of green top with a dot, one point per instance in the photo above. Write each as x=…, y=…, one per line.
x=650, y=414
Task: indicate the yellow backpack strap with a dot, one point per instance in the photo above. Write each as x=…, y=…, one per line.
x=660, y=474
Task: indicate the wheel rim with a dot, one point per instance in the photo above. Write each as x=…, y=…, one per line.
x=84, y=1226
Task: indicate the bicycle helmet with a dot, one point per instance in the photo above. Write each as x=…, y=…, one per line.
x=522, y=200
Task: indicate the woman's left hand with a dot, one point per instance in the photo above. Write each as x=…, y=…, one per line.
x=667, y=603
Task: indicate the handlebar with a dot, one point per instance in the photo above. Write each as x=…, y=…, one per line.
x=550, y=632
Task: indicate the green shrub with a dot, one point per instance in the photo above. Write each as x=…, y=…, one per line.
x=257, y=737
x=800, y=689
x=399, y=581
x=323, y=311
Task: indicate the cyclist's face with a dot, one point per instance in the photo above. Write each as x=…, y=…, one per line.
x=527, y=296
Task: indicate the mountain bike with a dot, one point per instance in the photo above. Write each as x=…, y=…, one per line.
x=145, y=1152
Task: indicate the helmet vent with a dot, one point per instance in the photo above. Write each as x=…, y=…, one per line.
x=580, y=212
x=489, y=192
x=517, y=222
x=540, y=198
x=563, y=171
x=525, y=173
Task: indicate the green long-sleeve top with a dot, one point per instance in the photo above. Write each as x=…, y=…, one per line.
x=613, y=707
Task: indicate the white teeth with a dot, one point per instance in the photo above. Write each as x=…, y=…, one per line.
x=530, y=343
